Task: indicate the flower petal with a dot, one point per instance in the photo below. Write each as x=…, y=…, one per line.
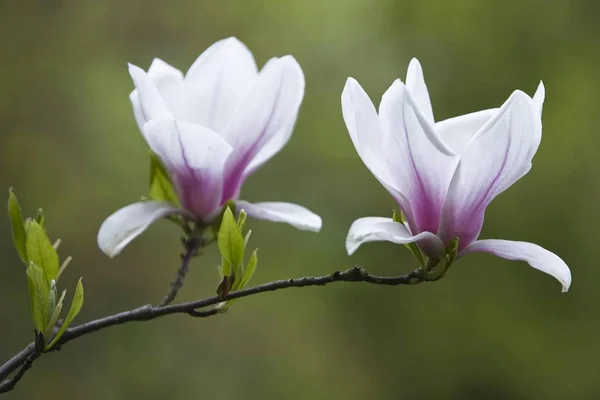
x=498, y=155
x=195, y=157
x=363, y=126
x=538, y=257
x=129, y=222
x=150, y=104
x=169, y=82
x=217, y=81
x=539, y=96
x=267, y=113
x=415, y=83
x=457, y=132
x=281, y=137
x=422, y=173
x=293, y=214
x=372, y=229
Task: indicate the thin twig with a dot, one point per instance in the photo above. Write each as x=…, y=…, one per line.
x=191, y=247
x=148, y=312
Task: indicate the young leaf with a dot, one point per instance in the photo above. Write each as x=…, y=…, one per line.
x=40, y=250
x=39, y=217
x=451, y=252
x=161, y=186
x=250, y=268
x=18, y=228
x=38, y=296
x=231, y=242
x=242, y=220
x=76, y=305
x=55, y=315
x=243, y=282
x=64, y=266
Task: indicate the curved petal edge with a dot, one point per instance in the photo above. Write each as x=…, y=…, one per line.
x=293, y=214
x=536, y=256
x=127, y=223
x=374, y=229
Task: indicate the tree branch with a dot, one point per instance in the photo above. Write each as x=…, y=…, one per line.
x=28, y=355
x=191, y=248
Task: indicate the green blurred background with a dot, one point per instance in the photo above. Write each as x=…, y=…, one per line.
x=492, y=329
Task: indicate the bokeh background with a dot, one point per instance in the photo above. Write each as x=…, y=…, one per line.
x=491, y=329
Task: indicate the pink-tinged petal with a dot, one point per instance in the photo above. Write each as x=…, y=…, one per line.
x=498, y=155
x=217, y=81
x=150, y=104
x=373, y=229
x=536, y=256
x=118, y=230
x=363, y=126
x=415, y=83
x=267, y=113
x=539, y=96
x=195, y=157
x=421, y=172
x=293, y=214
x=169, y=82
x=457, y=132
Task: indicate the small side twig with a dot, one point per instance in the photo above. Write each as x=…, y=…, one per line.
x=191, y=246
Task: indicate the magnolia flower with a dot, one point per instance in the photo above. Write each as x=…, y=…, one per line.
x=443, y=175
x=212, y=129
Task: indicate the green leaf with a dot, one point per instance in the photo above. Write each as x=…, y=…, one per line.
x=55, y=315
x=250, y=269
x=161, y=186
x=38, y=295
x=63, y=266
x=242, y=282
x=242, y=220
x=39, y=217
x=231, y=242
x=451, y=252
x=76, y=305
x=18, y=228
x=40, y=250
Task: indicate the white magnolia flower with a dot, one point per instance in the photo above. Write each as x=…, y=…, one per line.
x=212, y=129
x=443, y=175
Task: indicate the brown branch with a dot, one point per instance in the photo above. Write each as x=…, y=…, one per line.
x=191, y=249
x=27, y=356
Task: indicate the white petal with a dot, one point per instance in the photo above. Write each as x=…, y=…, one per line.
x=539, y=96
x=498, y=155
x=372, y=229
x=151, y=103
x=457, y=132
x=195, y=156
x=422, y=173
x=281, y=137
x=293, y=214
x=130, y=221
x=216, y=83
x=169, y=82
x=160, y=70
x=415, y=83
x=363, y=126
x=267, y=113
x=538, y=257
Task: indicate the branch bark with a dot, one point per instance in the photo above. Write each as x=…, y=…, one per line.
x=191, y=247
x=28, y=355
